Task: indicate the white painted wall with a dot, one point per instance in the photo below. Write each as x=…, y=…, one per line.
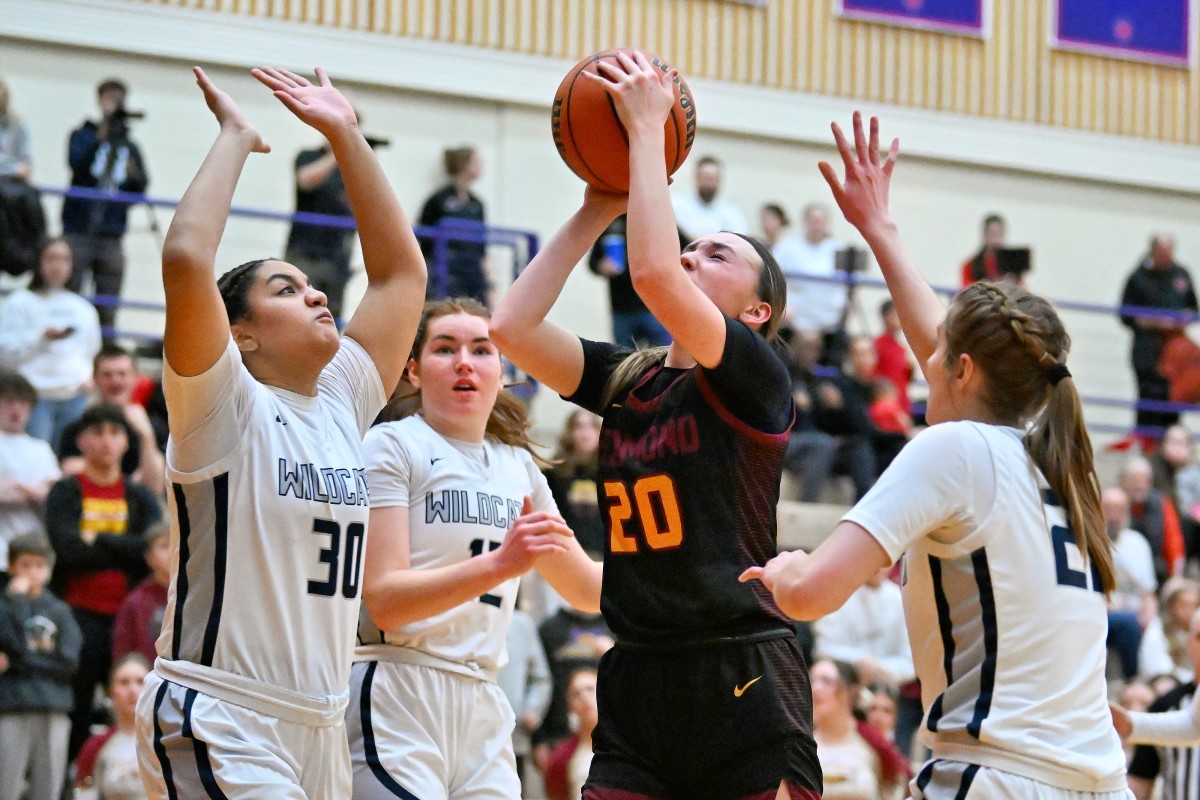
x=1087, y=233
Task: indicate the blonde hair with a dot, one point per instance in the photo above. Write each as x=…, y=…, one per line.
x=508, y=422
x=1020, y=346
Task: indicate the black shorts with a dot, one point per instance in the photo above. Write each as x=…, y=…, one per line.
x=705, y=721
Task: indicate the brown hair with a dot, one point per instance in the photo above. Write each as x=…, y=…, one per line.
x=508, y=423
x=455, y=159
x=772, y=290
x=1020, y=346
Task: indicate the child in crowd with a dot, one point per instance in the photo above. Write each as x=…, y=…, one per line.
x=27, y=465
x=107, y=768
x=139, y=619
x=39, y=651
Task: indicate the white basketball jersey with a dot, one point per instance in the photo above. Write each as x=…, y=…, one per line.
x=462, y=497
x=268, y=501
x=1006, y=621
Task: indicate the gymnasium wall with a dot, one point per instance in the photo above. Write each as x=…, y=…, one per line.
x=1085, y=199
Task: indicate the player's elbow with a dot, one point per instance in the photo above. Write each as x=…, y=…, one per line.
x=802, y=602
x=383, y=614
x=503, y=328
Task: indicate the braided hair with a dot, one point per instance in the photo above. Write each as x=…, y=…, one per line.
x=235, y=286
x=1019, y=344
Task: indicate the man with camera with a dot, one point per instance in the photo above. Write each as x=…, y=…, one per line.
x=102, y=156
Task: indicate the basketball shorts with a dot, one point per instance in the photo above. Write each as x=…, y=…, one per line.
x=942, y=779
x=191, y=744
x=707, y=721
x=421, y=732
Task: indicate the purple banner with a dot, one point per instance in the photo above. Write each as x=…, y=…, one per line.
x=1145, y=30
x=952, y=16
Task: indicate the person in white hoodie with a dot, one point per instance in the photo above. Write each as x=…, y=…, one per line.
x=50, y=335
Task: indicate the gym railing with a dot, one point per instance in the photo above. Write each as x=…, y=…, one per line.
x=524, y=246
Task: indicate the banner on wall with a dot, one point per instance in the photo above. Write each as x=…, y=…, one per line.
x=1144, y=30
x=965, y=17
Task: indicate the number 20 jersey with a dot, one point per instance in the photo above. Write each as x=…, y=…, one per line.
x=688, y=492
x=268, y=500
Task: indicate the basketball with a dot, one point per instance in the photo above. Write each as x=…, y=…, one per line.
x=590, y=137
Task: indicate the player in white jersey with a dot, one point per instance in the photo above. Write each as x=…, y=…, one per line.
x=268, y=494
x=995, y=511
x=459, y=511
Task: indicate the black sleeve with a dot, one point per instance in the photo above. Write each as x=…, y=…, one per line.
x=600, y=359
x=64, y=511
x=1145, y=763
x=752, y=381
x=1190, y=298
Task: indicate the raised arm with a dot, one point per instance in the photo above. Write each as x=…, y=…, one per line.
x=385, y=322
x=643, y=95
x=548, y=352
x=197, y=328
x=863, y=199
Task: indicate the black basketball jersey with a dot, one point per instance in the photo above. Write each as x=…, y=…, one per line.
x=690, y=461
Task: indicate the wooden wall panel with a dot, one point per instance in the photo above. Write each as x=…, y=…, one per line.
x=800, y=45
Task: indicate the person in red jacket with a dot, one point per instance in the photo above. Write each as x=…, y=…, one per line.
x=139, y=619
x=893, y=360
x=567, y=768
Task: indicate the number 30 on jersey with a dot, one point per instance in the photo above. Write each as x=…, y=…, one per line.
x=654, y=500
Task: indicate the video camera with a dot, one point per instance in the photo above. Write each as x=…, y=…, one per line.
x=118, y=122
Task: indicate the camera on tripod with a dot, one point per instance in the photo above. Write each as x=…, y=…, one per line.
x=118, y=122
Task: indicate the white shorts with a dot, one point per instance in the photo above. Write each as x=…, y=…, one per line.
x=422, y=732
x=942, y=779
x=191, y=744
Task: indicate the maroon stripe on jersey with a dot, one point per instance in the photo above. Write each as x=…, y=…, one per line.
x=645, y=406
x=714, y=402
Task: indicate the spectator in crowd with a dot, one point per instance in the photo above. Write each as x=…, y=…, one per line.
x=322, y=252
x=140, y=617
x=632, y=324
x=1164, y=641
x=466, y=261
x=572, y=480
x=1177, y=475
x=95, y=521
x=1153, y=515
x=893, y=360
x=16, y=148
x=881, y=713
x=27, y=465
x=1156, y=283
x=39, y=652
x=811, y=452
x=107, y=767
x=984, y=265
x=102, y=156
x=1177, y=766
x=50, y=335
x=567, y=769
x=525, y=681
x=115, y=376
x=702, y=212
x=851, y=767
x=774, y=222
x=887, y=412
x=808, y=262
x=1133, y=604
x=572, y=640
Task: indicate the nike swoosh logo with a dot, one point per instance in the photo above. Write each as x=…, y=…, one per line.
x=738, y=691
x=433, y=461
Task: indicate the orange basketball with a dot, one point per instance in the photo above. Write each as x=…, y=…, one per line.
x=591, y=139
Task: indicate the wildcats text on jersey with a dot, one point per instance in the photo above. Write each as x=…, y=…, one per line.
x=459, y=505
x=333, y=485
x=673, y=437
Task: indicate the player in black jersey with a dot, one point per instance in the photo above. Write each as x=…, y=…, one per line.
x=706, y=694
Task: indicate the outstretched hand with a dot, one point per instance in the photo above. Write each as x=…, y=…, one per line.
x=641, y=92
x=863, y=196
x=608, y=204
x=319, y=105
x=228, y=115
x=770, y=572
